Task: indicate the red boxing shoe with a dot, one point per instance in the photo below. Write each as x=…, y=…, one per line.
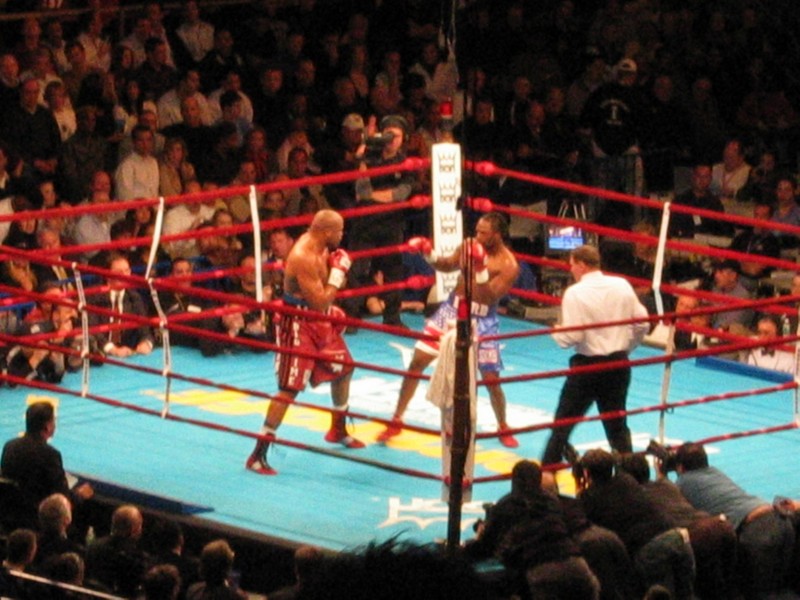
x=392, y=430
x=342, y=437
x=508, y=440
x=257, y=463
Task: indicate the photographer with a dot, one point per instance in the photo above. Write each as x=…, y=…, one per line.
x=660, y=551
x=386, y=229
x=712, y=538
x=602, y=549
x=526, y=530
x=765, y=531
x=527, y=500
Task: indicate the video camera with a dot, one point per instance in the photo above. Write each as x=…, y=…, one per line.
x=487, y=507
x=571, y=456
x=666, y=456
x=376, y=143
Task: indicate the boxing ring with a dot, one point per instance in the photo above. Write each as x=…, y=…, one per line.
x=173, y=428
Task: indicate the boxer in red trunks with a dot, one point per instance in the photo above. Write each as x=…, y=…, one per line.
x=315, y=270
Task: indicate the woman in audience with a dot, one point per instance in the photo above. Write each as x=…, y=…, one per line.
x=129, y=105
x=17, y=272
x=256, y=150
x=55, y=96
x=122, y=67
x=358, y=70
x=174, y=171
x=225, y=249
x=139, y=220
x=95, y=44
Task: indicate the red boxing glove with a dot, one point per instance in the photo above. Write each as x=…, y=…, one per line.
x=339, y=262
x=480, y=260
x=424, y=246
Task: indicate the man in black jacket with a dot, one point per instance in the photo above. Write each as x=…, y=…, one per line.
x=527, y=531
x=36, y=466
x=526, y=500
x=117, y=560
x=127, y=336
x=685, y=225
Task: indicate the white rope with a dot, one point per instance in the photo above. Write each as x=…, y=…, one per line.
x=156, y=241
x=254, y=216
x=666, y=380
x=797, y=372
x=166, y=370
x=257, y=243
x=658, y=270
x=85, y=349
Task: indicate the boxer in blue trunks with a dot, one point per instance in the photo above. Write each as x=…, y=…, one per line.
x=487, y=324
x=494, y=272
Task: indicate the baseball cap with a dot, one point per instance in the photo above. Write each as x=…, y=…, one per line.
x=626, y=65
x=395, y=121
x=353, y=121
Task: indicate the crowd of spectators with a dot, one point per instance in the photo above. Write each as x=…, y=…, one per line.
x=626, y=535
x=200, y=98
x=129, y=562
x=620, y=94
x=53, y=528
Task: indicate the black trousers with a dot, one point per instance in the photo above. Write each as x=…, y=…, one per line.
x=608, y=388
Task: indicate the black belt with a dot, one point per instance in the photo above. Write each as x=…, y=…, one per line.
x=621, y=355
x=294, y=301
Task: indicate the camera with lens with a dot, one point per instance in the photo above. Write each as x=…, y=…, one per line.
x=666, y=456
x=487, y=508
x=377, y=142
x=571, y=456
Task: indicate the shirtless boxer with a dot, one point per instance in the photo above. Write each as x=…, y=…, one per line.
x=494, y=273
x=315, y=270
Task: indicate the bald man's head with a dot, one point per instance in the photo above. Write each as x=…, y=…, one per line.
x=327, y=219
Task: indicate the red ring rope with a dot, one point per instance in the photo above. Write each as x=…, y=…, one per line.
x=410, y=165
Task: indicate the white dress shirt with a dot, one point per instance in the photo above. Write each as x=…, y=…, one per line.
x=599, y=298
x=198, y=38
x=179, y=219
x=775, y=360
x=734, y=181
x=169, y=109
x=137, y=177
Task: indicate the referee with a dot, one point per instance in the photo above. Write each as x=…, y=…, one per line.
x=596, y=298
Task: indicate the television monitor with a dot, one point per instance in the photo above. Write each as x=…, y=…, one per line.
x=564, y=239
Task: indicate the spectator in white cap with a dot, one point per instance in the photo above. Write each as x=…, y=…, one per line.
x=613, y=117
x=626, y=70
x=339, y=154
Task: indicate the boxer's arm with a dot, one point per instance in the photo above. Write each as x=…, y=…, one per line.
x=315, y=290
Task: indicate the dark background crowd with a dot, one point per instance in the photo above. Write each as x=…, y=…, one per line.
x=635, y=96
x=98, y=107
